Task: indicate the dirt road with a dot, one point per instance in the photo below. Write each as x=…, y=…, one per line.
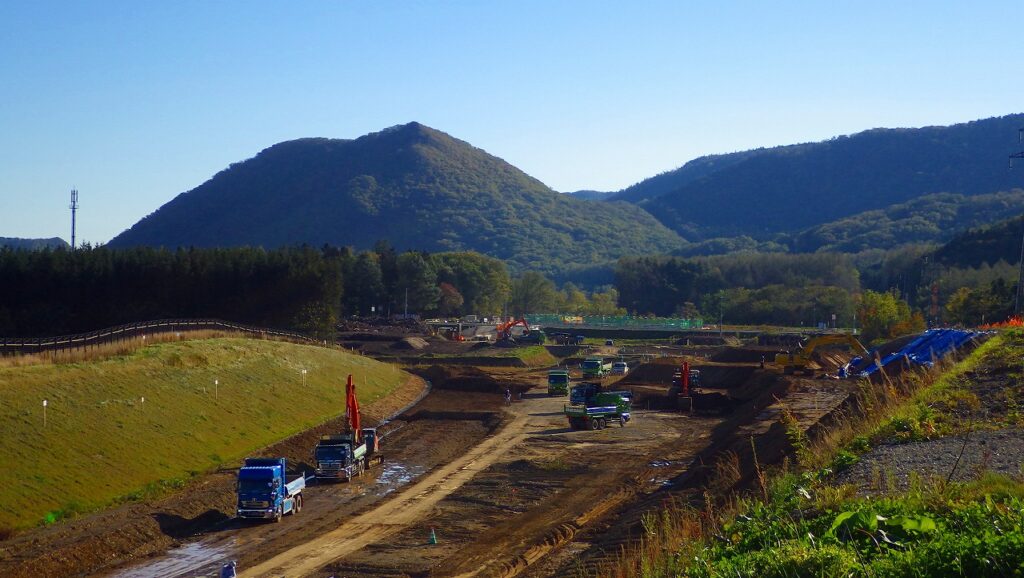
x=507, y=502
x=390, y=518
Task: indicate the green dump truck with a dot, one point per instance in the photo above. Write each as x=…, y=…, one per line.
x=595, y=367
x=599, y=410
x=558, y=382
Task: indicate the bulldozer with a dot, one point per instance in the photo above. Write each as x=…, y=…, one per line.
x=800, y=360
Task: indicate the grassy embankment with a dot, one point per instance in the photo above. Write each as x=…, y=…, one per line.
x=803, y=522
x=103, y=444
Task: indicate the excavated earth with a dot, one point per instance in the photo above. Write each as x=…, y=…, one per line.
x=504, y=490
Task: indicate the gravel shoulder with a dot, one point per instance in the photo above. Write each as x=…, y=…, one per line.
x=960, y=458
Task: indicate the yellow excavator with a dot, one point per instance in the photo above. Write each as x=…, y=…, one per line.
x=791, y=362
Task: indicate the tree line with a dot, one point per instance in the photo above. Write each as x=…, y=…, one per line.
x=59, y=291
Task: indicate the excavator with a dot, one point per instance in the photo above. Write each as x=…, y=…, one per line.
x=504, y=332
x=800, y=360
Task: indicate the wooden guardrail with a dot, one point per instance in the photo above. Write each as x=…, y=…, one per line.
x=29, y=345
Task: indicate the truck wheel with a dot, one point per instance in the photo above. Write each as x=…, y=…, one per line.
x=595, y=424
x=298, y=504
x=279, y=514
x=622, y=421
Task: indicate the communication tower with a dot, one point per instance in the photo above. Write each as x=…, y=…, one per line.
x=74, y=209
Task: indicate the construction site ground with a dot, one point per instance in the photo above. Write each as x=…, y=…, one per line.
x=506, y=490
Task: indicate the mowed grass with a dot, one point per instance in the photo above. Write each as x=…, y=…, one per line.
x=103, y=444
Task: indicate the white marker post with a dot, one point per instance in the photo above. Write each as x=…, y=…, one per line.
x=216, y=388
x=44, y=414
x=303, y=378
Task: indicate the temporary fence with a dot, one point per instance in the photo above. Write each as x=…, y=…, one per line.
x=616, y=321
x=29, y=345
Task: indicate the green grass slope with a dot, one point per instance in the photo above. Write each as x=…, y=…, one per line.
x=104, y=444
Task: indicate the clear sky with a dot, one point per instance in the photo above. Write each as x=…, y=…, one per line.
x=134, y=102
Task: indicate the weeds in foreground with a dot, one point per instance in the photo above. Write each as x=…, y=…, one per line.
x=805, y=526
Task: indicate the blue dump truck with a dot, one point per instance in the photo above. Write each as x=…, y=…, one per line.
x=598, y=408
x=346, y=456
x=263, y=491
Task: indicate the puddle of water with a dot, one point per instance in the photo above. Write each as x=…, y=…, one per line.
x=661, y=463
x=397, y=474
x=192, y=560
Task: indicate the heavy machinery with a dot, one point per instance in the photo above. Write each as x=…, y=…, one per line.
x=558, y=382
x=531, y=336
x=800, y=360
x=599, y=409
x=687, y=394
x=263, y=492
x=596, y=367
x=347, y=455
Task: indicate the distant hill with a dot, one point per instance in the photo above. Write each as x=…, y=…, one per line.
x=669, y=181
x=592, y=195
x=417, y=187
x=787, y=189
x=927, y=219
x=33, y=244
x=990, y=244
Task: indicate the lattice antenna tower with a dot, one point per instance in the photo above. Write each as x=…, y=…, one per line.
x=74, y=209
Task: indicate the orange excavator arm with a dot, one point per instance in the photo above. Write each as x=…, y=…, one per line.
x=352, y=409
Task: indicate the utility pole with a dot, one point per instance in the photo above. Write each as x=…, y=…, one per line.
x=74, y=209
x=1019, y=297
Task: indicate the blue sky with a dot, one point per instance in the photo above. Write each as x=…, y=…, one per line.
x=134, y=102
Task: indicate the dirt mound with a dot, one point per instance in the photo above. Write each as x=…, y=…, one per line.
x=460, y=378
x=415, y=343
x=379, y=326
x=658, y=371
x=708, y=340
x=746, y=354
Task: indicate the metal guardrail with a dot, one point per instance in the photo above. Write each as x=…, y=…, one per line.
x=28, y=345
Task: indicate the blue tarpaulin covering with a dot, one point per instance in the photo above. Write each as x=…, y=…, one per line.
x=924, y=350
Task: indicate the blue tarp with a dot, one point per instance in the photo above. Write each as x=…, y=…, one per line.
x=924, y=350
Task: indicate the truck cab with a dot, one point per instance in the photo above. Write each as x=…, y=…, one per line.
x=595, y=367
x=339, y=457
x=579, y=394
x=558, y=382
x=263, y=491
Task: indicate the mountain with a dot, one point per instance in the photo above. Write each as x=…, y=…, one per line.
x=669, y=181
x=592, y=195
x=927, y=219
x=990, y=244
x=33, y=244
x=414, y=186
x=787, y=189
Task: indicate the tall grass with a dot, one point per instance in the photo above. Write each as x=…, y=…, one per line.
x=789, y=518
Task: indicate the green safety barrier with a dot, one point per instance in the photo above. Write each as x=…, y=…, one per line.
x=615, y=321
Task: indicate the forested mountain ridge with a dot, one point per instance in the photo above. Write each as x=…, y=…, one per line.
x=786, y=189
x=935, y=218
x=984, y=245
x=20, y=243
x=414, y=186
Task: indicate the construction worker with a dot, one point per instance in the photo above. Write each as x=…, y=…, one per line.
x=508, y=396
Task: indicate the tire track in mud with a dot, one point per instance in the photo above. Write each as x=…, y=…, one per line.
x=400, y=512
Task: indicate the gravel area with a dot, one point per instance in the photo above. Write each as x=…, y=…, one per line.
x=888, y=467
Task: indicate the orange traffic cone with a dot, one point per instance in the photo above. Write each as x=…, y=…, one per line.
x=433, y=537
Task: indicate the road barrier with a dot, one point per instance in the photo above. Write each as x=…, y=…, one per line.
x=30, y=345
x=615, y=321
